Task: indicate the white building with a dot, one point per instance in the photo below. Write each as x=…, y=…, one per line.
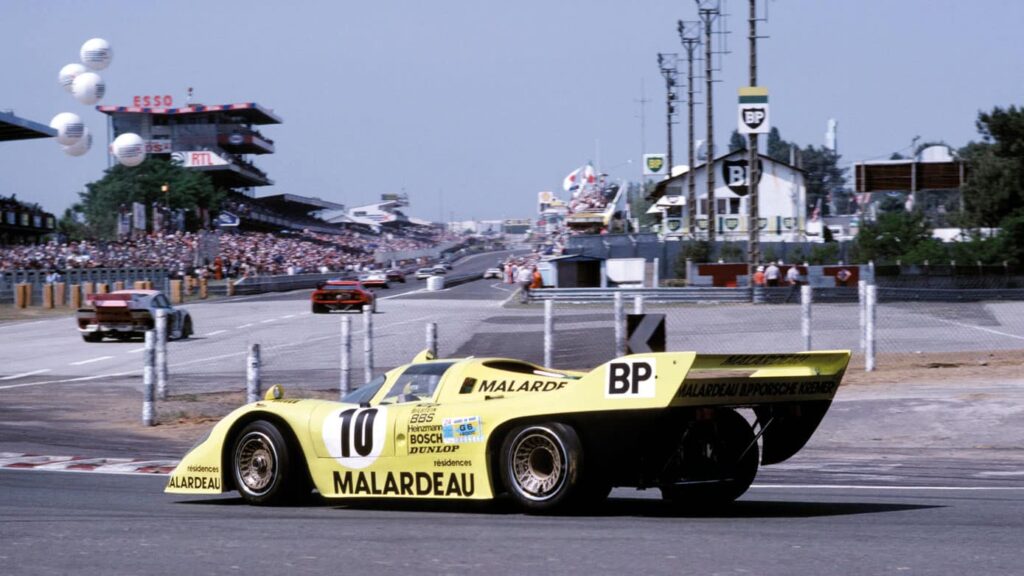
x=782, y=200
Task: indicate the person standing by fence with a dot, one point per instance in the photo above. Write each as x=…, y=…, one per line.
x=524, y=277
x=771, y=274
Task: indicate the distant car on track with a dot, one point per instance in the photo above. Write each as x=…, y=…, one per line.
x=479, y=428
x=395, y=275
x=374, y=279
x=492, y=273
x=342, y=295
x=429, y=271
x=124, y=314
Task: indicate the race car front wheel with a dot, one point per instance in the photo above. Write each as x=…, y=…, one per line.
x=540, y=465
x=263, y=466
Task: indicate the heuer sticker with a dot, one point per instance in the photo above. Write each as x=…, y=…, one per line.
x=464, y=429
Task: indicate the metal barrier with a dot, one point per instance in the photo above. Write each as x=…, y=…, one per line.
x=700, y=294
x=71, y=276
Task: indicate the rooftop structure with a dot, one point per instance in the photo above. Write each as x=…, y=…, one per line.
x=15, y=128
x=213, y=139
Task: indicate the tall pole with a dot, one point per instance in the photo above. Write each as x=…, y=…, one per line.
x=689, y=34
x=709, y=10
x=667, y=64
x=753, y=168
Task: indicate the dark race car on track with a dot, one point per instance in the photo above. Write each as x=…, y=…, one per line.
x=395, y=275
x=342, y=295
x=693, y=426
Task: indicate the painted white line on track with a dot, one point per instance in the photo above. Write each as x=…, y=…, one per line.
x=136, y=350
x=288, y=316
x=982, y=328
x=90, y=361
x=215, y=332
x=242, y=326
x=267, y=321
x=24, y=374
x=882, y=487
x=241, y=353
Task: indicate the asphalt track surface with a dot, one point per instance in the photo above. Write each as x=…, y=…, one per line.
x=924, y=479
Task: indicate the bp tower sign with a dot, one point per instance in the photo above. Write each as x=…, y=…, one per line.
x=753, y=110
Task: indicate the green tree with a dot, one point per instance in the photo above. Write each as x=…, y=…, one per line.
x=737, y=142
x=823, y=175
x=778, y=148
x=898, y=236
x=995, y=185
x=122, y=185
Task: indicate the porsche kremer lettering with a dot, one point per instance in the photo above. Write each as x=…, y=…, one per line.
x=435, y=484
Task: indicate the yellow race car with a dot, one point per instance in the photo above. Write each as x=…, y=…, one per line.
x=480, y=428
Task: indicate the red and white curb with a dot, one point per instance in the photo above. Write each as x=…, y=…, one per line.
x=15, y=460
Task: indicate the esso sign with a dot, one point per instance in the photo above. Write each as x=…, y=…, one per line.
x=164, y=101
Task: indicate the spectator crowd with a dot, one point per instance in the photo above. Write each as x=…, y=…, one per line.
x=233, y=255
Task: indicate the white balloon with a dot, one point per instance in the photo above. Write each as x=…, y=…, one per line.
x=69, y=127
x=88, y=88
x=68, y=74
x=81, y=147
x=96, y=53
x=129, y=149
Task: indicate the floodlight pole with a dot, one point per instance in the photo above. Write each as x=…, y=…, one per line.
x=709, y=10
x=689, y=35
x=667, y=64
x=753, y=168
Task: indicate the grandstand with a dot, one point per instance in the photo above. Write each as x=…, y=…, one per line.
x=20, y=222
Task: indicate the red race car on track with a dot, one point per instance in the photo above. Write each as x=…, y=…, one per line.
x=342, y=295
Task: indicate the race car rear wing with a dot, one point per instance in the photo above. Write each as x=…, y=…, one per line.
x=789, y=393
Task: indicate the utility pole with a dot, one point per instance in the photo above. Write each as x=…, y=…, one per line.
x=667, y=63
x=709, y=10
x=689, y=35
x=643, y=131
x=753, y=167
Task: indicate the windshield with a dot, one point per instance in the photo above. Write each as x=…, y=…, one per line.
x=365, y=393
x=418, y=382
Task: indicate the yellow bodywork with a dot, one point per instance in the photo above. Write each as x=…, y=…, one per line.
x=441, y=446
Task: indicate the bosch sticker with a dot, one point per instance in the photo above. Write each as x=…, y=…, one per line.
x=464, y=429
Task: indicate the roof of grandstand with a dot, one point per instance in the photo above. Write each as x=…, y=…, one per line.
x=290, y=202
x=15, y=128
x=250, y=111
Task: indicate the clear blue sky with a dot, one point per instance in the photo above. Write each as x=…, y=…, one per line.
x=472, y=107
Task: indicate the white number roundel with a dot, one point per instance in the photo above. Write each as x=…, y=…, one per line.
x=355, y=437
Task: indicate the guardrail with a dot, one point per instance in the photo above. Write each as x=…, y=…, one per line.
x=692, y=294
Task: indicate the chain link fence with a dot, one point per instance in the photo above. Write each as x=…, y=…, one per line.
x=307, y=356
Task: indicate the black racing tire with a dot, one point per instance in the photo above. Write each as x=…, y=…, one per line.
x=319, y=309
x=541, y=466
x=92, y=337
x=266, y=470
x=186, y=328
x=721, y=457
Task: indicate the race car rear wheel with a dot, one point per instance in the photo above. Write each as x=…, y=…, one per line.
x=717, y=461
x=186, y=328
x=540, y=465
x=92, y=336
x=319, y=309
x=263, y=466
